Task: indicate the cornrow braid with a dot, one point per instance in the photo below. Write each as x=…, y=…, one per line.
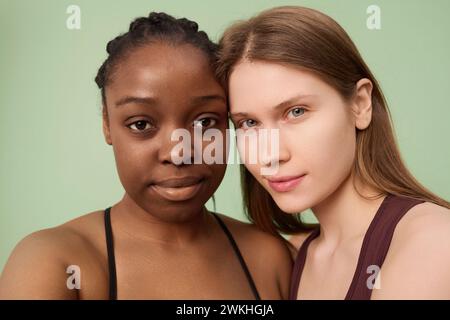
x=158, y=26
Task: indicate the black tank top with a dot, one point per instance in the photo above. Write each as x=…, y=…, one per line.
x=374, y=248
x=112, y=261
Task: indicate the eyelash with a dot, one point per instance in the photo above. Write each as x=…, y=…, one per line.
x=297, y=108
x=143, y=130
x=241, y=123
x=214, y=121
x=136, y=130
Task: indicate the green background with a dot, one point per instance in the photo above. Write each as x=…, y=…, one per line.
x=54, y=164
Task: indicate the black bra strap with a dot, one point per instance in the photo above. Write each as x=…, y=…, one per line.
x=111, y=258
x=112, y=262
x=239, y=255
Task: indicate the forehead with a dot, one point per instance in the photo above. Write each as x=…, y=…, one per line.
x=163, y=67
x=267, y=84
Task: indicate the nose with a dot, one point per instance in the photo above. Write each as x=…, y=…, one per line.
x=176, y=146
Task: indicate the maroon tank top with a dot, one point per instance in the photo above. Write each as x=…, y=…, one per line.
x=374, y=248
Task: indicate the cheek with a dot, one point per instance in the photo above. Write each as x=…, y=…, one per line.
x=248, y=145
x=133, y=160
x=214, y=146
x=130, y=171
x=332, y=148
x=248, y=154
x=217, y=174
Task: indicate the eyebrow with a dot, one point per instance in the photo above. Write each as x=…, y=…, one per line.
x=137, y=100
x=208, y=98
x=152, y=101
x=281, y=105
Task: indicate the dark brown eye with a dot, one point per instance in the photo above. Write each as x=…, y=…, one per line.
x=140, y=125
x=204, y=122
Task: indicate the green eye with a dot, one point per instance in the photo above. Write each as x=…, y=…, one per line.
x=296, y=112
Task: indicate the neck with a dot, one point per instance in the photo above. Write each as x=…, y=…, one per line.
x=345, y=214
x=134, y=221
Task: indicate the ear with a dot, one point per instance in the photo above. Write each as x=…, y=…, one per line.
x=362, y=103
x=106, y=129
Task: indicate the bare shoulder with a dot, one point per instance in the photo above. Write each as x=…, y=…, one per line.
x=267, y=256
x=425, y=223
x=37, y=267
x=84, y=234
x=251, y=238
x=426, y=212
x=420, y=253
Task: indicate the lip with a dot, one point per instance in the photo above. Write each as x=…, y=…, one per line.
x=178, y=189
x=286, y=183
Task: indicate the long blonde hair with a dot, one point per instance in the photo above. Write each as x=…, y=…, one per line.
x=303, y=37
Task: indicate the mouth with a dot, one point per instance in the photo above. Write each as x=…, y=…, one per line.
x=178, y=189
x=286, y=183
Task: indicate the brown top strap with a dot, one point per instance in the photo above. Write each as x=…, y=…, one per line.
x=376, y=243
x=300, y=264
x=374, y=248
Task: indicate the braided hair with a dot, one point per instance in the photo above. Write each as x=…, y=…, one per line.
x=157, y=27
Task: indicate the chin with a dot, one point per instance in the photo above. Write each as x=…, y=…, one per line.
x=171, y=211
x=176, y=214
x=292, y=203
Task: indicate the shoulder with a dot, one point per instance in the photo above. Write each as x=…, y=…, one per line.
x=424, y=224
x=267, y=255
x=251, y=238
x=418, y=262
x=37, y=267
x=81, y=235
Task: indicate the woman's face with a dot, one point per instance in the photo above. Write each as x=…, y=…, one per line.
x=317, y=135
x=155, y=90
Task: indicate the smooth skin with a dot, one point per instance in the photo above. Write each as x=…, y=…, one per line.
x=317, y=130
x=165, y=248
